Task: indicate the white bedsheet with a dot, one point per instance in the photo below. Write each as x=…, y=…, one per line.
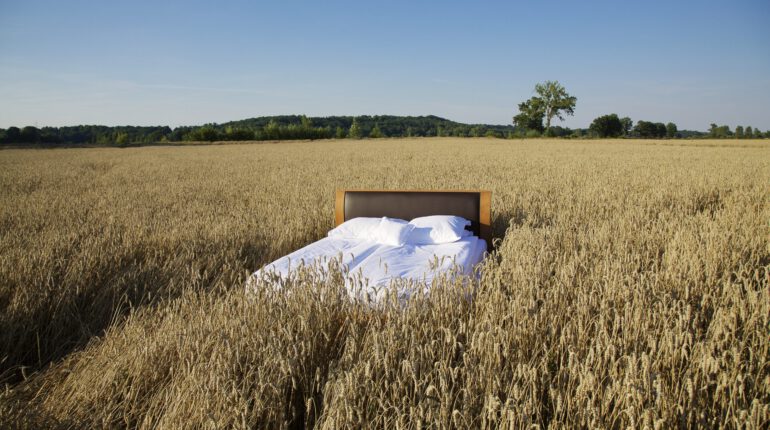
x=372, y=266
x=420, y=263
x=352, y=251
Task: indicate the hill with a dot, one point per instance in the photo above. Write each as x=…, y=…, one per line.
x=281, y=127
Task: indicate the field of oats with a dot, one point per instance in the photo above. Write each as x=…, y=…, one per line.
x=628, y=288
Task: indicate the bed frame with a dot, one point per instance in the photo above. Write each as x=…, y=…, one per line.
x=473, y=205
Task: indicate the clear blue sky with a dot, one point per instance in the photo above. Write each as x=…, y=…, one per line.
x=190, y=62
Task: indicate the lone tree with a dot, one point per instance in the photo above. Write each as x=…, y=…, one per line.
x=552, y=100
x=555, y=100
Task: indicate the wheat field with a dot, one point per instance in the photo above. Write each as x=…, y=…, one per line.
x=628, y=288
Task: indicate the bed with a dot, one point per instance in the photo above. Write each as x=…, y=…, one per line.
x=371, y=266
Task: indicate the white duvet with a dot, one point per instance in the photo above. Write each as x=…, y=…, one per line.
x=371, y=267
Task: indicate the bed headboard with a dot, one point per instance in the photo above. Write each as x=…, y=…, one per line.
x=473, y=205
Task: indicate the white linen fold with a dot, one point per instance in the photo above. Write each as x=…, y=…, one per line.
x=371, y=267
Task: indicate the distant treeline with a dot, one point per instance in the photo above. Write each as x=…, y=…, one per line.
x=613, y=126
x=284, y=127
x=291, y=127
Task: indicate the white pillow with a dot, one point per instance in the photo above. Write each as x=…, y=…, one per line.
x=437, y=229
x=392, y=231
x=356, y=228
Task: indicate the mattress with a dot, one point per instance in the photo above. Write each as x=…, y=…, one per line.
x=370, y=268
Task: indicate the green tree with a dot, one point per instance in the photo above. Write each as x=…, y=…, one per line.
x=671, y=130
x=719, y=131
x=555, y=101
x=340, y=133
x=355, y=130
x=409, y=132
x=121, y=138
x=235, y=133
x=30, y=134
x=647, y=130
x=749, y=132
x=13, y=135
x=375, y=133
x=552, y=100
x=208, y=133
x=271, y=131
x=644, y=129
x=530, y=116
x=607, y=126
x=739, y=132
x=306, y=123
x=627, y=125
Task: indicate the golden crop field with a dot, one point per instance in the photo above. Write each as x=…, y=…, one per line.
x=628, y=289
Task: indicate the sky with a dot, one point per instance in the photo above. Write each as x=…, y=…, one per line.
x=192, y=62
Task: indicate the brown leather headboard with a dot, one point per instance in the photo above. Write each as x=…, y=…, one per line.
x=474, y=205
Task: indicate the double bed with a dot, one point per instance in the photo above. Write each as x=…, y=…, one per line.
x=370, y=266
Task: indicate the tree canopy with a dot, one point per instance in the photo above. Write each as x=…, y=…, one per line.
x=552, y=100
x=646, y=129
x=717, y=131
x=556, y=101
x=671, y=130
x=607, y=126
x=376, y=133
x=627, y=125
x=355, y=130
x=530, y=116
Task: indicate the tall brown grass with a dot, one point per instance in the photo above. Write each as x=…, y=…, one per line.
x=629, y=288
